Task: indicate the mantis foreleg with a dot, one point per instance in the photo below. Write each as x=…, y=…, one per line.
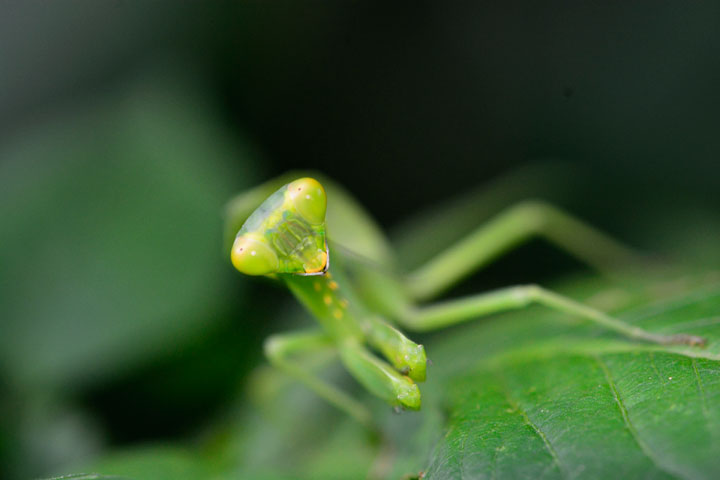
x=379, y=377
x=406, y=356
x=373, y=373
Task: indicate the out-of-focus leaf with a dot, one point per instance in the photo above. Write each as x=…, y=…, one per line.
x=287, y=433
x=158, y=463
x=110, y=233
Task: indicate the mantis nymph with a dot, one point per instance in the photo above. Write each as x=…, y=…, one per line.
x=346, y=279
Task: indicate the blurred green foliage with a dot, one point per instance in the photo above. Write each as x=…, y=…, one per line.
x=123, y=325
x=110, y=251
x=127, y=344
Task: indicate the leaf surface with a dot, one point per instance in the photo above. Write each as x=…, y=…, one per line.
x=528, y=399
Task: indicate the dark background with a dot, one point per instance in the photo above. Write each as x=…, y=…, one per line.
x=125, y=126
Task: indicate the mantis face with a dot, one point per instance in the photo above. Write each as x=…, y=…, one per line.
x=286, y=234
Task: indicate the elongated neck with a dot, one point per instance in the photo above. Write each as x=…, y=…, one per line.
x=330, y=299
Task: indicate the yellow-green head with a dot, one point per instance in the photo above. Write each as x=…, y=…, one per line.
x=286, y=233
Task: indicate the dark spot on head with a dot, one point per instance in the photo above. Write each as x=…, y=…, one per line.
x=568, y=92
x=299, y=188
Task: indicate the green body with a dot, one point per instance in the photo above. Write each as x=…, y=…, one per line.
x=351, y=322
x=350, y=284
x=288, y=243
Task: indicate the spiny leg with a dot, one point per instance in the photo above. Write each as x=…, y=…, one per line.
x=406, y=356
x=456, y=311
x=378, y=377
x=508, y=230
x=278, y=349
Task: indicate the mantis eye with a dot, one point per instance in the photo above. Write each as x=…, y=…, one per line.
x=253, y=257
x=309, y=199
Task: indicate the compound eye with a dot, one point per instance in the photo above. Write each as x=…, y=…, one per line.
x=253, y=257
x=309, y=199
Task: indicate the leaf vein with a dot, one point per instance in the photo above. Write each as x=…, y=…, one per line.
x=462, y=460
x=526, y=419
x=701, y=389
x=626, y=419
x=657, y=372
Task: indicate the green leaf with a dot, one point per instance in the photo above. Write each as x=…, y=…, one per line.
x=110, y=233
x=528, y=396
x=156, y=463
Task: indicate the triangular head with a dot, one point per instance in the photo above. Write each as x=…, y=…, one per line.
x=286, y=234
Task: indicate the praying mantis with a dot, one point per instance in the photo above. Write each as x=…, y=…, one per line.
x=333, y=258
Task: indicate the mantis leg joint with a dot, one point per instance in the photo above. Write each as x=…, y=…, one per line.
x=526, y=294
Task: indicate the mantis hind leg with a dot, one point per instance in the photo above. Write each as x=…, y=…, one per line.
x=456, y=311
x=508, y=230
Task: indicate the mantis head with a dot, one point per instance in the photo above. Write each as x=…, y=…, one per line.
x=286, y=233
